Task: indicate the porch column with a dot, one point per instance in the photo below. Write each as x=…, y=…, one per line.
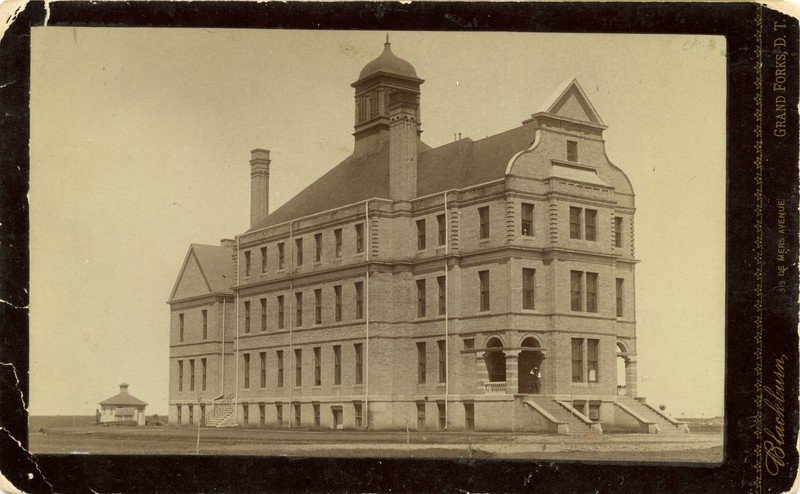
x=512, y=371
x=482, y=372
x=630, y=377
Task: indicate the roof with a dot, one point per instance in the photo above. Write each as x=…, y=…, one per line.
x=123, y=399
x=388, y=63
x=207, y=269
x=453, y=166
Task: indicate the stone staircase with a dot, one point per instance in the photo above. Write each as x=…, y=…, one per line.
x=565, y=419
x=664, y=423
x=220, y=413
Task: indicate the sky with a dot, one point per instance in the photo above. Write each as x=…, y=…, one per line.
x=140, y=145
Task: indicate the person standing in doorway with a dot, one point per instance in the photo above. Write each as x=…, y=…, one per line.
x=537, y=380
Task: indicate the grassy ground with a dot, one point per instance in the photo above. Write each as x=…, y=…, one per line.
x=92, y=439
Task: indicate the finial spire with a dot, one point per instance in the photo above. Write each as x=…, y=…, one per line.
x=387, y=39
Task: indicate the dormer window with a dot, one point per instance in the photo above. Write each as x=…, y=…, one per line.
x=572, y=151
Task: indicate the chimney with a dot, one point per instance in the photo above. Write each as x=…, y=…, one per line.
x=259, y=185
x=228, y=243
x=403, y=136
x=123, y=388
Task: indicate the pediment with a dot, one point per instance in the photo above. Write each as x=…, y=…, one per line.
x=573, y=104
x=191, y=280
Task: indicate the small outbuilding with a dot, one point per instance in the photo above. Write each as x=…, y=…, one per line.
x=122, y=407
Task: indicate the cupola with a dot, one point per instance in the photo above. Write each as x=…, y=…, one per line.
x=379, y=79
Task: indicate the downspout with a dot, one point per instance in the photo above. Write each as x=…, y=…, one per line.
x=446, y=315
x=236, y=374
x=291, y=319
x=222, y=353
x=366, y=315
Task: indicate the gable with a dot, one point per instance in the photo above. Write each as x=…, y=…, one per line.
x=572, y=103
x=191, y=281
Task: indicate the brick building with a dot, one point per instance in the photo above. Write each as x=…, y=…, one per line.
x=484, y=285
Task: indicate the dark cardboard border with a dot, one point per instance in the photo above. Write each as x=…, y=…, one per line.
x=761, y=313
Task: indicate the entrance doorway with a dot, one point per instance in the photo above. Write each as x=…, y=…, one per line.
x=495, y=361
x=530, y=367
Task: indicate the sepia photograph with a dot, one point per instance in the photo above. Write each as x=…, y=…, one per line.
x=348, y=243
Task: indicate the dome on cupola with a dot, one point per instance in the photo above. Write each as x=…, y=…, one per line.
x=388, y=63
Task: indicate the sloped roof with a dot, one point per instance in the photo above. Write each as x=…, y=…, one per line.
x=453, y=166
x=123, y=399
x=211, y=266
x=217, y=265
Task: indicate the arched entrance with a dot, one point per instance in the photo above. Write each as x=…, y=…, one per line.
x=530, y=366
x=495, y=361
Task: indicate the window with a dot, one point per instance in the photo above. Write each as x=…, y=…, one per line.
x=469, y=416
x=318, y=247
x=337, y=236
x=263, y=259
x=420, y=298
x=318, y=306
x=421, y=362
x=203, y=373
x=359, y=347
x=246, y=365
x=280, y=312
x=591, y=224
x=469, y=343
x=576, y=290
x=317, y=366
x=298, y=245
x=617, y=231
x=247, y=265
x=420, y=234
x=247, y=317
x=180, y=327
x=359, y=414
x=483, y=215
x=202, y=415
x=337, y=417
x=191, y=415
x=281, y=256
x=484, y=287
x=337, y=305
x=180, y=375
x=191, y=375
x=442, y=294
x=572, y=151
x=262, y=357
x=442, y=361
x=577, y=360
x=180, y=414
x=337, y=365
x=297, y=415
x=442, y=416
x=316, y=414
x=279, y=414
x=528, y=288
x=359, y=238
x=263, y=314
x=298, y=367
x=592, y=359
x=245, y=413
x=262, y=415
x=298, y=299
x=359, y=299
x=527, y=220
x=442, y=228
x=591, y=292
x=279, y=354
x=620, y=286
x=421, y=416
x=594, y=411
x=574, y=222
x=204, y=314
